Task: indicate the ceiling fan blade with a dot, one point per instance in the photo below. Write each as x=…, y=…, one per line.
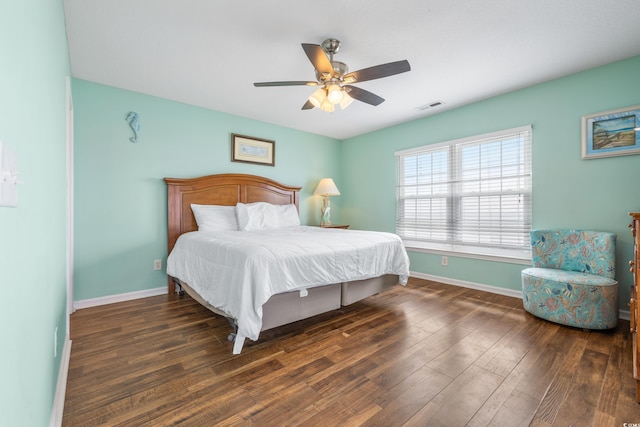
x=290, y=83
x=318, y=58
x=307, y=105
x=378, y=71
x=364, y=95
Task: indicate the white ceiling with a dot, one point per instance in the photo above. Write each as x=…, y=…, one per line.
x=208, y=53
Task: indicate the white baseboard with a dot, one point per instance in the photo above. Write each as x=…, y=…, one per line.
x=470, y=285
x=94, y=302
x=61, y=387
x=622, y=314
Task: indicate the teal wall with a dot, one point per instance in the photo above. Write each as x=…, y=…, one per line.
x=34, y=65
x=120, y=196
x=567, y=191
x=120, y=199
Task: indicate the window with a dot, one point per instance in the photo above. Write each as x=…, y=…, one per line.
x=470, y=196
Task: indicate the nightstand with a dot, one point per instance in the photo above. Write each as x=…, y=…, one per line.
x=335, y=226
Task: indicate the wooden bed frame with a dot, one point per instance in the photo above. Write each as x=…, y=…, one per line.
x=230, y=189
x=223, y=189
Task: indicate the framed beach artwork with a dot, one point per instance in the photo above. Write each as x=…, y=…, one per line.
x=248, y=149
x=611, y=133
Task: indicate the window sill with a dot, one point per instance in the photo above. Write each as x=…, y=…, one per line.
x=487, y=254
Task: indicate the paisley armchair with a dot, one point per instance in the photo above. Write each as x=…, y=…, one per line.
x=572, y=281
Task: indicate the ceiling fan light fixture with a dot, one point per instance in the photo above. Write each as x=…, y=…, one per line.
x=327, y=106
x=346, y=100
x=318, y=97
x=335, y=94
x=334, y=79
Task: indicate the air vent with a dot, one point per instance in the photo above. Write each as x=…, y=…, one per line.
x=430, y=105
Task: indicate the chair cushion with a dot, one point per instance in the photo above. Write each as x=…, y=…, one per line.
x=572, y=277
x=570, y=298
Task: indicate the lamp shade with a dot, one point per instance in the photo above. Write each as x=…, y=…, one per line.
x=327, y=106
x=346, y=101
x=326, y=187
x=318, y=97
x=334, y=94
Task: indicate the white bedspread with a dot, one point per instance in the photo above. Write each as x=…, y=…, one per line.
x=238, y=271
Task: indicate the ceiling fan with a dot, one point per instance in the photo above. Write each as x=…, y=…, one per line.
x=335, y=80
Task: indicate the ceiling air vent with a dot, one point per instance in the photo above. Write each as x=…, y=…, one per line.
x=430, y=105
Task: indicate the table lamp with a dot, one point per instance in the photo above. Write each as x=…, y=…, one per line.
x=326, y=187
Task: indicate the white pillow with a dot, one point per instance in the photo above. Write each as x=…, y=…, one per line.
x=215, y=217
x=264, y=216
x=287, y=215
x=256, y=216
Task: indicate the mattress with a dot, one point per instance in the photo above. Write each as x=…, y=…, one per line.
x=238, y=271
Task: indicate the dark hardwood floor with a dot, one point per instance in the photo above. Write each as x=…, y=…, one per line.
x=426, y=354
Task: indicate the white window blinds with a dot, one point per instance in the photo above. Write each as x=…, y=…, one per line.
x=471, y=195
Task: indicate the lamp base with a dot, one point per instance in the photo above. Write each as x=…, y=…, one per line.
x=326, y=212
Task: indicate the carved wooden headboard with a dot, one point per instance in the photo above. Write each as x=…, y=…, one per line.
x=223, y=189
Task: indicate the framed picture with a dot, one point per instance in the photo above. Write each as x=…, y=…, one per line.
x=248, y=149
x=611, y=133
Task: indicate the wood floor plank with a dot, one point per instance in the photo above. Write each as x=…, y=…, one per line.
x=402, y=401
x=425, y=354
x=512, y=359
x=517, y=410
x=586, y=388
x=460, y=400
x=612, y=378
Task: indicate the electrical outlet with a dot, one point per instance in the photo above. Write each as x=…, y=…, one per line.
x=55, y=343
x=157, y=264
x=445, y=260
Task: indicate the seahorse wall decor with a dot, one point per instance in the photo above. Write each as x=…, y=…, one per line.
x=134, y=123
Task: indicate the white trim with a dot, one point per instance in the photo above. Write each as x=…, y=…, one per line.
x=61, y=387
x=485, y=257
x=476, y=138
x=470, y=285
x=622, y=314
x=94, y=302
x=70, y=253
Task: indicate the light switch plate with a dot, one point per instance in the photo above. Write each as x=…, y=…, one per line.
x=8, y=177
